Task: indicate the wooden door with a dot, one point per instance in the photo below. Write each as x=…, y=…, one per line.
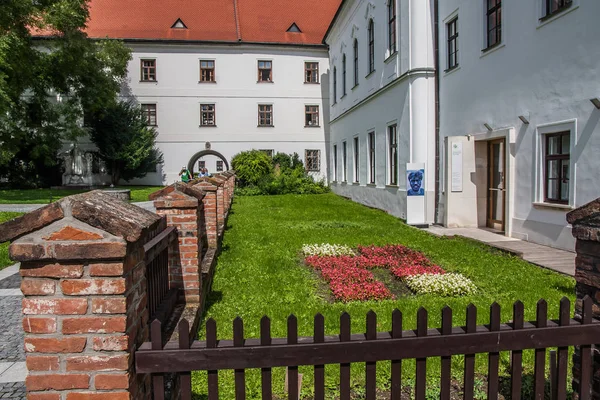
x=496, y=184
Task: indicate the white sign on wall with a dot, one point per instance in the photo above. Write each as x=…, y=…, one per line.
x=457, y=164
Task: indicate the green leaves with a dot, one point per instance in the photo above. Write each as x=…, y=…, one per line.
x=124, y=141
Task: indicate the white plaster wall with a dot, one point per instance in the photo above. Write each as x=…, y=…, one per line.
x=400, y=91
x=236, y=94
x=546, y=71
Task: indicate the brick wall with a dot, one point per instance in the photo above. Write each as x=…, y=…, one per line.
x=183, y=208
x=586, y=229
x=211, y=209
x=85, y=300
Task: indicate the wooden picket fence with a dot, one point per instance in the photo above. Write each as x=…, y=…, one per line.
x=396, y=345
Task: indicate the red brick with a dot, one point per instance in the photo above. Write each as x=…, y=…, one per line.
x=54, y=345
x=54, y=306
x=112, y=381
x=93, y=325
x=42, y=363
x=57, y=382
x=180, y=219
x=43, y=396
x=88, y=250
x=192, y=284
x=111, y=343
x=78, y=287
x=98, y=396
x=72, y=233
x=52, y=270
x=109, y=305
x=98, y=363
x=38, y=287
x=39, y=325
x=188, y=248
x=109, y=269
x=189, y=255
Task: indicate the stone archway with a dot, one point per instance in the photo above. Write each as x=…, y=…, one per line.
x=203, y=153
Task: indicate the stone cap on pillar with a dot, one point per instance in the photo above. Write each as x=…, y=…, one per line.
x=83, y=226
x=177, y=195
x=586, y=221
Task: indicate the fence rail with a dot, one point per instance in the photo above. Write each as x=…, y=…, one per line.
x=398, y=344
x=156, y=254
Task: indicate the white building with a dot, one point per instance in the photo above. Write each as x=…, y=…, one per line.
x=517, y=99
x=382, y=103
x=222, y=78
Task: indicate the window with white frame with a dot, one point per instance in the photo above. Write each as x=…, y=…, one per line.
x=356, y=159
x=149, y=114
x=393, y=154
x=207, y=115
x=452, y=43
x=392, y=26
x=557, y=166
x=372, y=157
x=219, y=166
x=552, y=7
x=493, y=22
x=335, y=159
x=344, y=162
x=312, y=160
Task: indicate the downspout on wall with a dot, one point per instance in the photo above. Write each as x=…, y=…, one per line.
x=436, y=48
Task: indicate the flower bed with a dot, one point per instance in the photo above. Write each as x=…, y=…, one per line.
x=349, y=278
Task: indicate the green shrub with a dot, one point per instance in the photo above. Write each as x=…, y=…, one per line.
x=251, y=166
x=284, y=174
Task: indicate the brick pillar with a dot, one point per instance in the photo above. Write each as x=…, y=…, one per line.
x=182, y=206
x=85, y=301
x=210, y=210
x=586, y=229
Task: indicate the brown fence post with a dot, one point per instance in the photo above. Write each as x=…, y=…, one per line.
x=85, y=299
x=183, y=207
x=586, y=230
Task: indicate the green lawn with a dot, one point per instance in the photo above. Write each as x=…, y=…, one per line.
x=45, y=196
x=4, y=260
x=260, y=273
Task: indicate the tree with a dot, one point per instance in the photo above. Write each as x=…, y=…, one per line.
x=251, y=166
x=124, y=141
x=50, y=74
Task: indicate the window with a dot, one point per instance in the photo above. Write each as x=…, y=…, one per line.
x=392, y=26
x=355, y=62
x=268, y=152
x=344, y=162
x=207, y=115
x=265, y=115
x=334, y=85
x=393, y=154
x=344, y=75
x=311, y=115
x=148, y=71
x=452, y=43
x=554, y=6
x=356, y=159
x=493, y=22
x=265, y=71
x=371, y=46
x=371, y=157
x=335, y=162
x=149, y=114
x=219, y=165
x=556, y=167
x=312, y=160
x=201, y=164
x=207, y=71
x=311, y=72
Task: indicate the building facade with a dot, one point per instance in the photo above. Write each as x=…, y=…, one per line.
x=382, y=97
x=519, y=135
x=225, y=77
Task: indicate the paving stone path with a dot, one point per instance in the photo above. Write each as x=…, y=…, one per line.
x=12, y=356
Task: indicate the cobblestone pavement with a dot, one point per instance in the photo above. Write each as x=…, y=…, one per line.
x=12, y=390
x=12, y=354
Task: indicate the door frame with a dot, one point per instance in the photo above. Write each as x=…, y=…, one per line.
x=494, y=223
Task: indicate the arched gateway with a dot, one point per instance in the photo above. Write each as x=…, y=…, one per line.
x=203, y=153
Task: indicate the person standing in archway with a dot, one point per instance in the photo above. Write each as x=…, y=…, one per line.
x=185, y=175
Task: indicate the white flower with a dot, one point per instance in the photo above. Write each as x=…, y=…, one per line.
x=450, y=284
x=326, y=249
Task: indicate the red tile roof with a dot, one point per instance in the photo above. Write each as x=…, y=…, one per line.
x=213, y=20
